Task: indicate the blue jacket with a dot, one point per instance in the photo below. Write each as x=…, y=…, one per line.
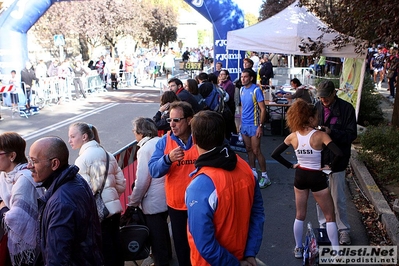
x=69, y=228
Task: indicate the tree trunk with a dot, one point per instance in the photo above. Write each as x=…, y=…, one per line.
x=395, y=114
x=84, y=49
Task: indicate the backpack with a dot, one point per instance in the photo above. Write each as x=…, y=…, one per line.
x=134, y=235
x=218, y=100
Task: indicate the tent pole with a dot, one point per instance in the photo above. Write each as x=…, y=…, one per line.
x=359, y=90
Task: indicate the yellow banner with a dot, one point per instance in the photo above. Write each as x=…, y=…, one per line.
x=350, y=80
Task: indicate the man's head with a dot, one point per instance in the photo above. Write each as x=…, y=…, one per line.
x=326, y=92
x=295, y=83
x=246, y=77
x=180, y=115
x=208, y=129
x=219, y=66
x=46, y=155
x=202, y=77
x=28, y=65
x=248, y=63
x=175, y=84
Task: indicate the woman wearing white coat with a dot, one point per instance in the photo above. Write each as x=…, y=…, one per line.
x=92, y=166
x=149, y=193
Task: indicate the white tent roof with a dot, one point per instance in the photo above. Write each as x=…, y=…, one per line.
x=282, y=33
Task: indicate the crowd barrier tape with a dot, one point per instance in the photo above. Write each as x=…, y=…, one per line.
x=127, y=161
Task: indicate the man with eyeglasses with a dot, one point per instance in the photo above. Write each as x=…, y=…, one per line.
x=337, y=118
x=176, y=85
x=69, y=227
x=174, y=158
x=253, y=115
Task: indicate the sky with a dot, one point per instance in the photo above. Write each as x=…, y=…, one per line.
x=250, y=6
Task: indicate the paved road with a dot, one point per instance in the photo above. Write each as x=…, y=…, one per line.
x=112, y=113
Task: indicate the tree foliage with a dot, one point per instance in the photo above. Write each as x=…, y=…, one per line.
x=89, y=24
x=162, y=25
x=272, y=7
x=250, y=19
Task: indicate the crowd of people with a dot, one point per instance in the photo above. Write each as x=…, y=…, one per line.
x=383, y=66
x=49, y=211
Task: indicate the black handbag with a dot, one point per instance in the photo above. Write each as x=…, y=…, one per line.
x=134, y=235
x=102, y=210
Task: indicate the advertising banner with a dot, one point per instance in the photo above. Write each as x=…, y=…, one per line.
x=224, y=16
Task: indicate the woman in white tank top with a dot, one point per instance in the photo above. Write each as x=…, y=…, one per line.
x=308, y=144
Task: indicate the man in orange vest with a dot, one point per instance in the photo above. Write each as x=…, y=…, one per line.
x=224, y=202
x=174, y=158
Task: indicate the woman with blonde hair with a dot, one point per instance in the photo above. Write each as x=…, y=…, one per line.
x=92, y=163
x=18, y=192
x=308, y=143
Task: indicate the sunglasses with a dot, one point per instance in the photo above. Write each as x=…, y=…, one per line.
x=174, y=119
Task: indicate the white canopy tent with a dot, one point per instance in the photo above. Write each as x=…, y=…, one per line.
x=283, y=32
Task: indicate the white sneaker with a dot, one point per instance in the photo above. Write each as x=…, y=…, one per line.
x=264, y=181
x=298, y=253
x=255, y=174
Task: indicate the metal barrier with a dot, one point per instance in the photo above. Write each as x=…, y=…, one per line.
x=55, y=89
x=127, y=161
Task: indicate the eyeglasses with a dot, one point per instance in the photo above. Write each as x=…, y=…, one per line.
x=174, y=119
x=33, y=162
x=2, y=153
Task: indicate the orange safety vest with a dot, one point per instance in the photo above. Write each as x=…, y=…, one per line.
x=177, y=179
x=235, y=191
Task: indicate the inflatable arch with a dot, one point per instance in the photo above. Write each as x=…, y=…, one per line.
x=18, y=18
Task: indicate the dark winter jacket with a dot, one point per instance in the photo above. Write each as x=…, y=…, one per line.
x=342, y=122
x=70, y=231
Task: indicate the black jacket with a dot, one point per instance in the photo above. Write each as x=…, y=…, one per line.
x=28, y=76
x=342, y=122
x=266, y=72
x=70, y=230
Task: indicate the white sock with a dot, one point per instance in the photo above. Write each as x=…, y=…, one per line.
x=332, y=233
x=264, y=174
x=298, y=231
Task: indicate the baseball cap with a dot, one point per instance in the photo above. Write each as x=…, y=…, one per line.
x=325, y=88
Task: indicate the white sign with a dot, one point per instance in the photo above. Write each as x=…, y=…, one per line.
x=59, y=40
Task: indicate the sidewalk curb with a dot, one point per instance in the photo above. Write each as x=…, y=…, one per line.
x=374, y=194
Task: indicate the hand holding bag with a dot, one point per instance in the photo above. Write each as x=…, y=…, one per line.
x=102, y=210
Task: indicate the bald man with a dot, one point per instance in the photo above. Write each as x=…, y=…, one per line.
x=70, y=232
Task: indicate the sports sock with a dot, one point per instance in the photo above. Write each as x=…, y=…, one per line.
x=332, y=233
x=298, y=231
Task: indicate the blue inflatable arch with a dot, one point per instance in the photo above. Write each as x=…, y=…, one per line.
x=21, y=15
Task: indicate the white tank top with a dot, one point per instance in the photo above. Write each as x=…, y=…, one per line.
x=306, y=155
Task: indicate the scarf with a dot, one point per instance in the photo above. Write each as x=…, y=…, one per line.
x=20, y=222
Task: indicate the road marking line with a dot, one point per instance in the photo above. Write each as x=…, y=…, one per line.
x=67, y=121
